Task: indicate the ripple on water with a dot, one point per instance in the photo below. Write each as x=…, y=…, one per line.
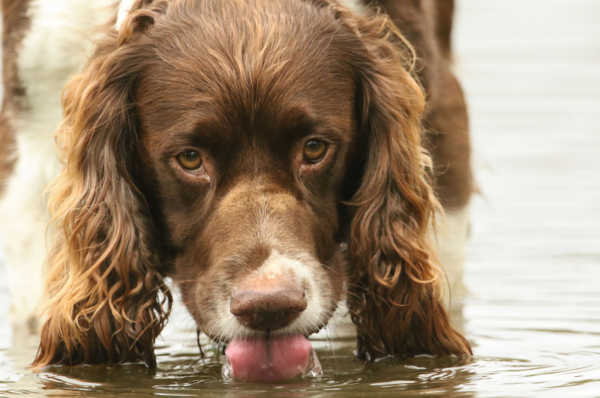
x=533, y=368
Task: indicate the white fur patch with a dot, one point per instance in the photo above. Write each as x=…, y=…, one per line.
x=23, y=221
x=124, y=9
x=305, y=270
x=355, y=5
x=55, y=47
x=452, y=239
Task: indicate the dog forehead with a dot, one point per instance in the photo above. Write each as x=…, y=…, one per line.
x=222, y=105
x=227, y=71
x=236, y=50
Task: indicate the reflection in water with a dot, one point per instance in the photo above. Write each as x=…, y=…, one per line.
x=186, y=375
x=530, y=363
x=181, y=372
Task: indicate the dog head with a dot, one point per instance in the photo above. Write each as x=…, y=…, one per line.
x=266, y=155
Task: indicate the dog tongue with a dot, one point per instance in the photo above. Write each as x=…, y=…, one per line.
x=267, y=361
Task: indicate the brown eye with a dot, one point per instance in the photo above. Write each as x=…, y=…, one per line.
x=314, y=151
x=190, y=160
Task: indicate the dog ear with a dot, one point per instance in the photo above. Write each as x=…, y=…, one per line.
x=106, y=297
x=395, y=281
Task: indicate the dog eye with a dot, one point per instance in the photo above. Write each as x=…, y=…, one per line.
x=190, y=160
x=314, y=151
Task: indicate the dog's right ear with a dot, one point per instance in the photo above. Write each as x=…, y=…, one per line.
x=106, y=300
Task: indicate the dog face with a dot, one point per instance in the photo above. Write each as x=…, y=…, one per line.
x=239, y=146
x=245, y=154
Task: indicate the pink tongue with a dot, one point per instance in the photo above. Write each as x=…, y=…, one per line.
x=283, y=358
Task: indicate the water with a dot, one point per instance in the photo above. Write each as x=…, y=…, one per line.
x=531, y=70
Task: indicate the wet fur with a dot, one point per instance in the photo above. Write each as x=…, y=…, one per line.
x=124, y=222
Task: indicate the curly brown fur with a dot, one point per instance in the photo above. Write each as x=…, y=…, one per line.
x=128, y=215
x=427, y=24
x=395, y=280
x=107, y=298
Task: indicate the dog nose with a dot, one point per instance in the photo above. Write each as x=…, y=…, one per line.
x=267, y=304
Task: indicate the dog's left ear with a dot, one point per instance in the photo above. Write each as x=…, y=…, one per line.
x=395, y=281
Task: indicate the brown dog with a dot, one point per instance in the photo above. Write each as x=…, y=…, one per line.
x=267, y=155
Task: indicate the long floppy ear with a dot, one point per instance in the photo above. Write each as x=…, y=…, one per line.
x=106, y=298
x=395, y=282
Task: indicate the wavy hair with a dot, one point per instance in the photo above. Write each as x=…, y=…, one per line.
x=395, y=287
x=107, y=301
x=106, y=297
